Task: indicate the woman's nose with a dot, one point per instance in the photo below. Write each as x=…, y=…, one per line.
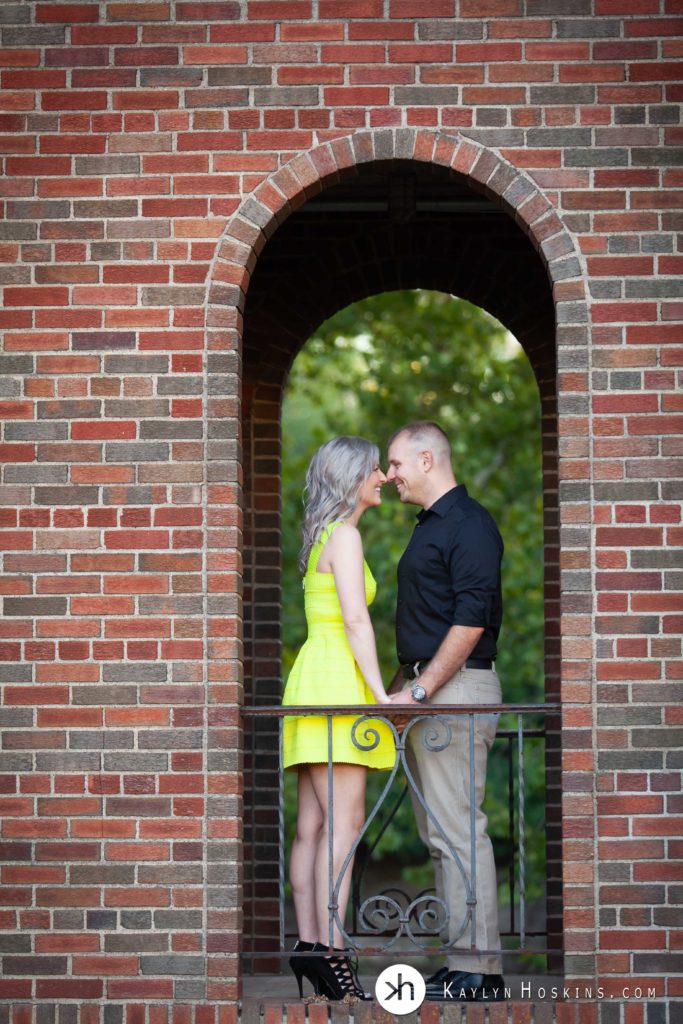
x=382, y=477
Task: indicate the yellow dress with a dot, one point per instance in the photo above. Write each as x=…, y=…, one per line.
x=326, y=673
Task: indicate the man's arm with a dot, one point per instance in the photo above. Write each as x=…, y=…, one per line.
x=452, y=654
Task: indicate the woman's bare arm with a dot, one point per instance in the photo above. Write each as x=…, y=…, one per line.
x=345, y=554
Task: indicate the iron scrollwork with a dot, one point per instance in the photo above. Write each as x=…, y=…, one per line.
x=383, y=913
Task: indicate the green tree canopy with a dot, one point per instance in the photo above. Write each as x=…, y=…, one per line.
x=403, y=356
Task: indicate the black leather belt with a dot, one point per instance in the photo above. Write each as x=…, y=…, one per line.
x=414, y=670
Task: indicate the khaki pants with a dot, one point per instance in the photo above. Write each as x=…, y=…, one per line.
x=443, y=778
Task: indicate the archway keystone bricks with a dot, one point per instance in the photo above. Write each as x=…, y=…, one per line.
x=156, y=157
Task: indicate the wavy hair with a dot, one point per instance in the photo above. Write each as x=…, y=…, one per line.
x=333, y=481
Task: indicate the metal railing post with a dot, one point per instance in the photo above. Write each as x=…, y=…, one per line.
x=330, y=833
x=472, y=901
x=521, y=823
x=281, y=835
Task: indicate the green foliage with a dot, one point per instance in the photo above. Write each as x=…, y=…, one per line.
x=403, y=356
x=410, y=355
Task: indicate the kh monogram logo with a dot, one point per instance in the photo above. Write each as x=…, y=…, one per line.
x=400, y=989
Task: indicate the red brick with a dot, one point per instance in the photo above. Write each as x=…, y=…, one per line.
x=625, y=403
x=663, y=825
x=663, y=71
x=654, y=334
x=146, y=99
x=140, y=988
x=36, y=296
x=145, y=539
x=138, y=897
x=41, y=79
x=662, y=872
x=652, y=26
x=620, y=266
x=68, y=897
x=487, y=52
x=627, y=938
x=628, y=670
x=629, y=804
x=15, y=988
x=105, y=431
x=629, y=537
x=138, y=851
x=77, y=988
x=75, y=100
x=36, y=695
x=280, y=10
x=489, y=8
x=214, y=55
x=107, y=35
x=105, y=965
x=138, y=11
x=16, y=411
x=67, y=13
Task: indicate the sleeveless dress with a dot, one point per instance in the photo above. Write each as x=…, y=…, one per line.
x=326, y=673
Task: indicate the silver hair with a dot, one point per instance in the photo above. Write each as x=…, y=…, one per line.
x=335, y=476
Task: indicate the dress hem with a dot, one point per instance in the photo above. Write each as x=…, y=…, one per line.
x=341, y=760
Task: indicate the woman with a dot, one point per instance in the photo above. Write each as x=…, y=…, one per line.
x=337, y=665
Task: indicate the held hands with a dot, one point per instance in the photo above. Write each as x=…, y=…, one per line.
x=398, y=697
x=382, y=698
x=396, y=694
x=402, y=697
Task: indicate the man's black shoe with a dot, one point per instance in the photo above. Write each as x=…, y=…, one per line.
x=460, y=986
x=442, y=973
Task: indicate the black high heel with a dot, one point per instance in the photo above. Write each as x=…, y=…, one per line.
x=336, y=974
x=304, y=966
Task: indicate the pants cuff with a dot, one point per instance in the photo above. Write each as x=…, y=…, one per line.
x=475, y=965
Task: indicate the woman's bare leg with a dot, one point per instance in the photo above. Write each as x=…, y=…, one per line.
x=309, y=823
x=348, y=787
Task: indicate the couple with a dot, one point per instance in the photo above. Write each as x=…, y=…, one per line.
x=448, y=619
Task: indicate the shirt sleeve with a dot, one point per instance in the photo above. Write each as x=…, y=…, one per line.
x=474, y=567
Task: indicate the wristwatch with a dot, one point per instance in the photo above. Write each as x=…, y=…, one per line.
x=418, y=692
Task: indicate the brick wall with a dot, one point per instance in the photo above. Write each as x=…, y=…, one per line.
x=157, y=157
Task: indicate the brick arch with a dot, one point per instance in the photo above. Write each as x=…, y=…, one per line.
x=307, y=174
x=244, y=386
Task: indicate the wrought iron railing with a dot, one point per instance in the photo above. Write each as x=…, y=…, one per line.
x=392, y=914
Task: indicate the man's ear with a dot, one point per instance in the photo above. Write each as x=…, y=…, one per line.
x=426, y=460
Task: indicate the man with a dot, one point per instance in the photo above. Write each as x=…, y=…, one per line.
x=447, y=623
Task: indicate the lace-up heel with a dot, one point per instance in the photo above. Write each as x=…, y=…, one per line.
x=336, y=975
x=304, y=966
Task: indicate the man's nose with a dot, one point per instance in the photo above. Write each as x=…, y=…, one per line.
x=390, y=474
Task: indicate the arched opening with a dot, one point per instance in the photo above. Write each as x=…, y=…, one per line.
x=393, y=224
x=389, y=359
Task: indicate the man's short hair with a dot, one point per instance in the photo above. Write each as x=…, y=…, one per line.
x=425, y=434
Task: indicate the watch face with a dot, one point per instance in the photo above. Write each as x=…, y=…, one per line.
x=418, y=692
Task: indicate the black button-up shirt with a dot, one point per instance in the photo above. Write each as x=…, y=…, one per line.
x=449, y=575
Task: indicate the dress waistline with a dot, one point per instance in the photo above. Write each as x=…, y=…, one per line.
x=327, y=628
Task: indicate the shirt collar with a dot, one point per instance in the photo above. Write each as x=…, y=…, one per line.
x=445, y=503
